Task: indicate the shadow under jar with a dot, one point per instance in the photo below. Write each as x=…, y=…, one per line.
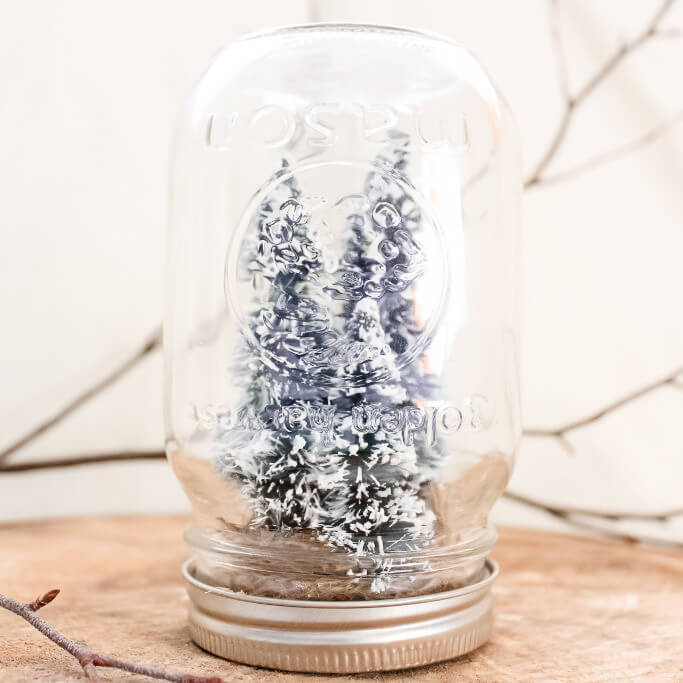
x=341, y=354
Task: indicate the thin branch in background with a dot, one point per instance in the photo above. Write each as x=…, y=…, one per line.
x=152, y=343
x=88, y=659
x=573, y=101
x=616, y=535
x=598, y=522
x=674, y=32
x=672, y=379
x=478, y=175
x=558, y=49
x=616, y=153
x=608, y=67
x=75, y=460
x=612, y=516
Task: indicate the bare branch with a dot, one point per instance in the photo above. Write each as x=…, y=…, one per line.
x=608, y=67
x=558, y=48
x=561, y=432
x=571, y=102
x=74, y=460
x=536, y=176
x=615, y=516
x=665, y=33
x=83, y=654
x=616, y=153
x=151, y=344
x=636, y=539
x=476, y=176
x=598, y=522
x=566, y=444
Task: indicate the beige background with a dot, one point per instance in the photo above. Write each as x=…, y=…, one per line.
x=90, y=92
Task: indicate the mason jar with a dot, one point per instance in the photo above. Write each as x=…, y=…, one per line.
x=341, y=352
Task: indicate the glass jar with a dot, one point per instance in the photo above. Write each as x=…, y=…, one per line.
x=340, y=339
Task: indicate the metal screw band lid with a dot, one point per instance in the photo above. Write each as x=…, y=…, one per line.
x=340, y=637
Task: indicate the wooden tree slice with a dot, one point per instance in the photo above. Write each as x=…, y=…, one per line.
x=567, y=608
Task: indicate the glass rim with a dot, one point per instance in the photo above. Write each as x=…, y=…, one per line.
x=489, y=574
x=348, y=27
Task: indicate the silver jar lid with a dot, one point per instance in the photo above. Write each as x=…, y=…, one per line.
x=342, y=636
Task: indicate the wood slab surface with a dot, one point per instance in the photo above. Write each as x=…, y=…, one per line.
x=568, y=608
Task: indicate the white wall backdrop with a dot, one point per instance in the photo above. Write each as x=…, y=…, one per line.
x=90, y=92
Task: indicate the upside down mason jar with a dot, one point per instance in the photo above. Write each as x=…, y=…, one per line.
x=341, y=352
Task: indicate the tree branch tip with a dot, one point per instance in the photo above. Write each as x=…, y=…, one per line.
x=87, y=659
x=603, y=72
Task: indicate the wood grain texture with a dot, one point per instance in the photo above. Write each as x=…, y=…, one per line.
x=567, y=608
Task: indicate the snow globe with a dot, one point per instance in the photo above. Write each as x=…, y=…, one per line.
x=341, y=356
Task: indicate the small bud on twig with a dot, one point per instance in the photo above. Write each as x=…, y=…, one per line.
x=44, y=599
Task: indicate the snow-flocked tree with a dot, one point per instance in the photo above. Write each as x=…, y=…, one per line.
x=321, y=443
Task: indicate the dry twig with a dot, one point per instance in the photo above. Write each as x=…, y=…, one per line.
x=74, y=460
x=88, y=659
x=621, y=516
x=151, y=343
x=600, y=522
x=616, y=153
x=573, y=101
x=672, y=379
